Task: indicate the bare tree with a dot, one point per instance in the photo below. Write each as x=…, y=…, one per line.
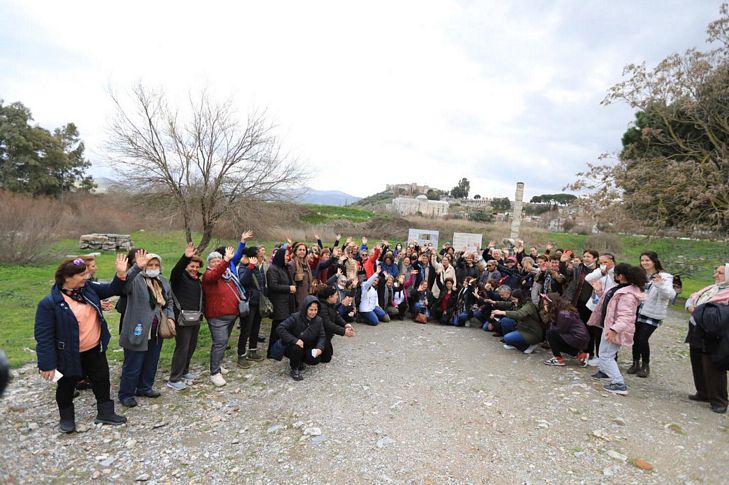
x=205, y=161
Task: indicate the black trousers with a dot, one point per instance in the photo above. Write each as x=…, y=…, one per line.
x=249, y=328
x=641, y=348
x=558, y=345
x=273, y=336
x=593, y=346
x=297, y=355
x=185, y=345
x=93, y=365
x=709, y=380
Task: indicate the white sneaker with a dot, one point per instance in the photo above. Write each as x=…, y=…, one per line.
x=218, y=380
x=530, y=349
x=593, y=362
x=223, y=370
x=177, y=386
x=509, y=347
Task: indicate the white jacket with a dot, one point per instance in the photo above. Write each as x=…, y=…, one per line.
x=369, y=295
x=658, y=296
x=440, y=273
x=600, y=284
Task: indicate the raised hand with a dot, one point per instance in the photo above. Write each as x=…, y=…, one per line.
x=364, y=239
x=253, y=260
x=339, y=236
x=142, y=258
x=288, y=240
x=349, y=239
x=121, y=263
x=190, y=250
x=229, y=253
x=246, y=236
x=316, y=237
x=414, y=272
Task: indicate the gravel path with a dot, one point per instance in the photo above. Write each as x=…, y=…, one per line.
x=399, y=403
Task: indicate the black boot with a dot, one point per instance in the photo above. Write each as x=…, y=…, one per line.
x=634, y=368
x=106, y=414
x=67, y=423
x=645, y=370
x=296, y=375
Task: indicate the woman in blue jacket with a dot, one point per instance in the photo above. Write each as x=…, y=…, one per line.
x=72, y=337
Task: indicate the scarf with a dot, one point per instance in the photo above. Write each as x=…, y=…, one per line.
x=155, y=290
x=709, y=292
x=74, y=294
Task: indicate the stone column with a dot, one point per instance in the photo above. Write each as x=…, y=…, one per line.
x=516, y=214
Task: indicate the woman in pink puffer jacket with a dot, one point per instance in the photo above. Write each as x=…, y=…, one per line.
x=615, y=312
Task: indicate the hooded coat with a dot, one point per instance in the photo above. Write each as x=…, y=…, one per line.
x=279, y=282
x=299, y=327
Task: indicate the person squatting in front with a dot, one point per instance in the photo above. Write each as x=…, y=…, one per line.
x=304, y=337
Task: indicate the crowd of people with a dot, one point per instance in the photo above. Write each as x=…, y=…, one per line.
x=582, y=307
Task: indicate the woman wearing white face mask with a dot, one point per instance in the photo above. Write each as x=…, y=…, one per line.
x=148, y=298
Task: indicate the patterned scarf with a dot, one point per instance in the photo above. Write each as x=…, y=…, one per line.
x=74, y=294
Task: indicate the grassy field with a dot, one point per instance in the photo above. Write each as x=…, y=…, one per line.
x=321, y=214
x=22, y=287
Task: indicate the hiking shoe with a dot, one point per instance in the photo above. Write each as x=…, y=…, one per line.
x=243, y=362
x=296, y=375
x=106, y=415
x=593, y=362
x=254, y=355
x=151, y=393
x=509, y=347
x=697, y=397
x=599, y=375
x=616, y=388
x=177, y=386
x=582, y=358
x=218, y=380
x=556, y=361
x=530, y=349
x=189, y=376
x=128, y=402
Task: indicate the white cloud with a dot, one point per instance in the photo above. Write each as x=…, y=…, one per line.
x=363, y=93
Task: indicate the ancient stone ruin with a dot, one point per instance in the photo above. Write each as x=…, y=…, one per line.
x=106, y=242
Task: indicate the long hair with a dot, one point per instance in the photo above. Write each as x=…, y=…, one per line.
x=653, y=256
x=559, y=304
x=634, y=275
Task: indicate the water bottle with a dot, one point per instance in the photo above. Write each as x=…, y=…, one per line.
x=138, y=329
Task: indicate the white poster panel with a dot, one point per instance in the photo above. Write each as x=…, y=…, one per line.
x=472, y=242
x=424, y=237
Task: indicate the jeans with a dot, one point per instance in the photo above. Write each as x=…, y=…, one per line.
x=608, y=364
x=511, y=334
x=419, y=307
x=220, y=328
x=95, y=366
x=139, y=369
x=374, y=317
x=463, y=317
x=185, y=345
x=593, y=347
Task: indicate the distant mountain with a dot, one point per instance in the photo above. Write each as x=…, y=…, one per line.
x=308, y=195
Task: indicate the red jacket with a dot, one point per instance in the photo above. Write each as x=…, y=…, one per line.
x=219, y=294
x=371, y=264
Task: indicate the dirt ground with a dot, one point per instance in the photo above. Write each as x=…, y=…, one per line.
x=399, y=403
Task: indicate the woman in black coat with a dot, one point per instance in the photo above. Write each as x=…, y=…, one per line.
x=333, y=322
x=281, y=292
x=304, y=337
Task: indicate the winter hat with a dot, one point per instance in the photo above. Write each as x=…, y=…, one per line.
x=251, y=251
x=152, y=256
x=214, y=255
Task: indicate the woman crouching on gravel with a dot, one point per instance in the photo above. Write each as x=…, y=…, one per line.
x=304, y=338
x=72, y=337
x=615, y=313
x=521, y=327
x=567, y=333
x=709, y=379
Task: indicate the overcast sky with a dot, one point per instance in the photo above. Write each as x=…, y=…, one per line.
x=363, y=93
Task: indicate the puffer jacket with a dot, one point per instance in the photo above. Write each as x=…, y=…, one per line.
x=658, y=297
x=298, y=326
x=620, y=313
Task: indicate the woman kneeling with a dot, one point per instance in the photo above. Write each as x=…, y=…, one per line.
x=304, y=337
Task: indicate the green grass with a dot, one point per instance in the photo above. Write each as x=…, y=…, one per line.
x=22, y=287
x=321, y=214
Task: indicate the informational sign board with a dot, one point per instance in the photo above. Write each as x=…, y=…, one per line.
x=424, y=237
x=472, y=242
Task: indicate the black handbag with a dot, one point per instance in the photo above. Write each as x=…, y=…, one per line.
x=189, y=318
x=278, y=349
x=244, y=309
x=264, y=306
